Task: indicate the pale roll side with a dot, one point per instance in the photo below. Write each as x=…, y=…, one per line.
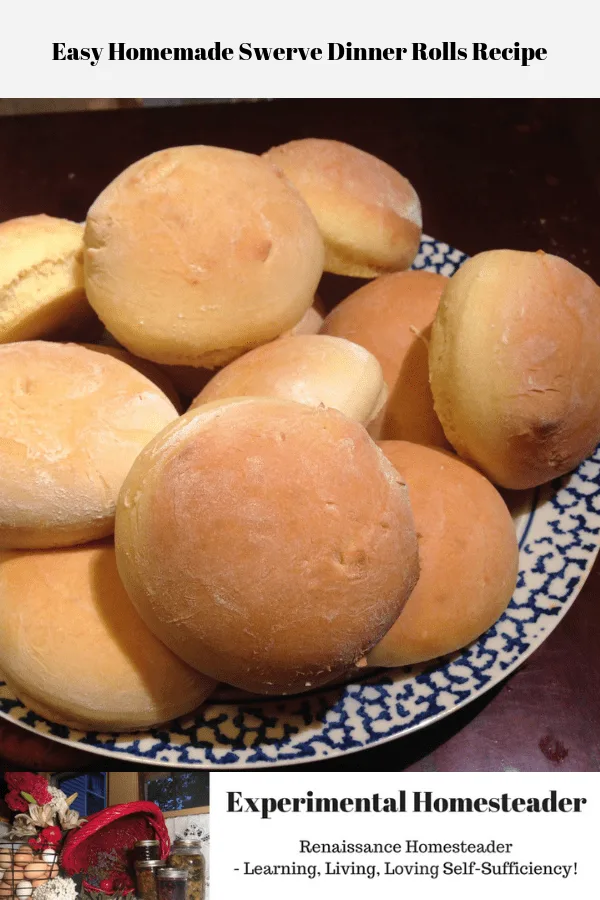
x=369, y=214
x=313, y=369
x=515, y=367
x=74, y=650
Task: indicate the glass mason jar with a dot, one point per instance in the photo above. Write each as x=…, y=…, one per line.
x=172, y=884
x=186, y=853
x=145, y=876
x=144, y=850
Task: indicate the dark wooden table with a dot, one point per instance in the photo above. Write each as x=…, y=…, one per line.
x=523, y=174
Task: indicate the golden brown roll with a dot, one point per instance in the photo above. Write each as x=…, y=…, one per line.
x=72, y=422
x=41, y=278
x=310, y=368
x=369, y=214
x=391, y=316
x=468, y=556
x=74, y=650
x=195, y=254
x=515, y=367
x=268, y=543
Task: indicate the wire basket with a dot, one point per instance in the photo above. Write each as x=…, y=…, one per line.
x=102, y=847
x=24, y=869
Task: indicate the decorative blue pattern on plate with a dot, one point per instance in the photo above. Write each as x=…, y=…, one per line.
x=558, y=528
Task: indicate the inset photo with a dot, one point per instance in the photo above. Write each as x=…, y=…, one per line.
x=300, y=435
x=104, y=836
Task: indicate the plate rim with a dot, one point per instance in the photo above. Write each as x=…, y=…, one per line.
x=336, y=753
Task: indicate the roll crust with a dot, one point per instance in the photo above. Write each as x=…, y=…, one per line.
x=195, y=254
x=71, y=423
x=391, y=317
x=268, y=543
x=74, y=650
x=468, y=555
x=515, y=368
x=313, y=369
x=368, y=213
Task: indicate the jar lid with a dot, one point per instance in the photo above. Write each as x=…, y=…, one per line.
x=193, y=845
x=150, y=863
x=174, y=874
x=149, y=843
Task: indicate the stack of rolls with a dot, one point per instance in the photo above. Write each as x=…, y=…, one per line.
x=328, y=502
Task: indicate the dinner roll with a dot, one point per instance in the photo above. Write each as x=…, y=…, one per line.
x=195, y=254
x=41, y=278
x=369, y=214
x=74, y=650
x=468, y=554
x=310, y=368
x=391, y=316
x=71, y=423
x=515, y=367
x=268, y=543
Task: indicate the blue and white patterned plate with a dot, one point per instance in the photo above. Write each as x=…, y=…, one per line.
x=559, y=535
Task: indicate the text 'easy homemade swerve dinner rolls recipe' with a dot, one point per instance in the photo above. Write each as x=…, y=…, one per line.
x=72, y=421
x=515, y=365
x=73, y=648
x=268, y=543
x=196, y=254
x=368, y=213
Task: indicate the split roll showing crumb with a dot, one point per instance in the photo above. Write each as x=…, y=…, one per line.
x=194, y=255
x=72, y=422
x=515, y=367
x=391, y=316
x=368, y=213
x=41, y=278
x=468, y=556
x=74, y=650
x=314, y=369
x=268, y=543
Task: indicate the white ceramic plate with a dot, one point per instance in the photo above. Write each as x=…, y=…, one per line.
x=559, y=535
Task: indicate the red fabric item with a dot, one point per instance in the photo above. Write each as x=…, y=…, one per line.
x=102, y=846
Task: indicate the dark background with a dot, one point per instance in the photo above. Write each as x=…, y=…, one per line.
x=522, y=174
